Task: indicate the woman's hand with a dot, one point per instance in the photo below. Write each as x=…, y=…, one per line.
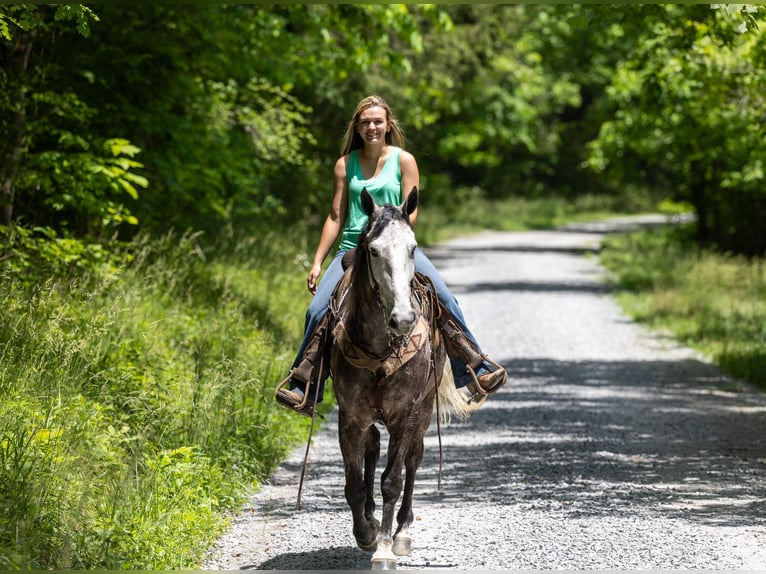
x=311, y=281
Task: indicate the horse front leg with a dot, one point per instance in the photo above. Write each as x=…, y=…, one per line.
x=391, y=487
x=355, y=446
x=402, y=539
x=371, y=457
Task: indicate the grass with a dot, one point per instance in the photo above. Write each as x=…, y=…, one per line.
x=712, y=302
x=136, y=405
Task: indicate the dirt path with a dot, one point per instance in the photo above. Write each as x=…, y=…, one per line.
x=611, y=447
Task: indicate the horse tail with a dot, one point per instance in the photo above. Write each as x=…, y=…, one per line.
x=453, y=401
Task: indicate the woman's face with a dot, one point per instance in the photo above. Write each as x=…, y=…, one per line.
x=372, y=125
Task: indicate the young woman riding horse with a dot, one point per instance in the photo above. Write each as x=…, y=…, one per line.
x=373, y=157
x=388, y=365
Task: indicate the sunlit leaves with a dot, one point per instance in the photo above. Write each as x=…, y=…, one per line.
x=689, y=106
x=81, y=15
x=276, y=122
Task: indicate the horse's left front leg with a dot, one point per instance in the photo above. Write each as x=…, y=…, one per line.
x=391, y=487
x=402, y=539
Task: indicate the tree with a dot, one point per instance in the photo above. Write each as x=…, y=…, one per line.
x=689, y=106
x=53, y=170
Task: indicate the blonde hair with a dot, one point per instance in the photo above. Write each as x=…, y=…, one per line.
x=352, y=140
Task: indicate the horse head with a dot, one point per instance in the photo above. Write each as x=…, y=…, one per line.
x=388, y=244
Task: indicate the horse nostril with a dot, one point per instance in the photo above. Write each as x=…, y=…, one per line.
x=401, y=322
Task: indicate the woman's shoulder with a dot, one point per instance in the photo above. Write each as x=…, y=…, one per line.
x=406, y=158
x=345, y=159
x=341, y=165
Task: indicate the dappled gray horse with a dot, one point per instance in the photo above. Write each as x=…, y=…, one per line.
x=387, y=364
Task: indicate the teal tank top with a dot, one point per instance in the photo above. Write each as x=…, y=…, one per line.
x=385, y=188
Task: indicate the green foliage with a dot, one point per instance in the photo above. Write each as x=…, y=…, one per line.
x=714, y=303
x=29, y=254
x=76, y=182
x=687, y=109
x=483, y=102
x=54, y=171
x=136, y=403
x=227, y=101
x=238, y=109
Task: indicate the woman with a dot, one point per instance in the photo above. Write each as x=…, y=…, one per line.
x=373, y=157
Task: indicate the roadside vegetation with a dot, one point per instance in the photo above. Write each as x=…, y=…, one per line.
x=137, y=401
x=711, y=301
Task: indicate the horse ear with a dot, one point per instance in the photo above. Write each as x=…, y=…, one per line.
x=411, y=203
x=368, y=203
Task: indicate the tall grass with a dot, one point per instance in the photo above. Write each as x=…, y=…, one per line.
x=136, y=406
x=715, y=303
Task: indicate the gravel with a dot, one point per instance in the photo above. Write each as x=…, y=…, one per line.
x=611, y=447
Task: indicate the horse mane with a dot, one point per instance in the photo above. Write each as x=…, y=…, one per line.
x=385, y=215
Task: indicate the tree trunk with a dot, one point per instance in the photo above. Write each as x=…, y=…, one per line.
x=700, y=202
x=12, y=156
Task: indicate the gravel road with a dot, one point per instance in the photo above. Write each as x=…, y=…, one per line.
x=610, y=448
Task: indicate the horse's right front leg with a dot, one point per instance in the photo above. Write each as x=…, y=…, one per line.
x=355, y=446
x=371, y=457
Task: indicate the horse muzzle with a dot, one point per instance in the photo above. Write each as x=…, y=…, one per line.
x=400, y=323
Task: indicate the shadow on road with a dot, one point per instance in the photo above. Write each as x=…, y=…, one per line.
x=330, y=558
x=574, y=439
x=593, y=438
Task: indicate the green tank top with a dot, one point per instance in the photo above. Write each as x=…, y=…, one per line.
x=385, y=188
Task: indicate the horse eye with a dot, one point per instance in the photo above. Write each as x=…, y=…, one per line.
x=374, y=252
x=412, y=251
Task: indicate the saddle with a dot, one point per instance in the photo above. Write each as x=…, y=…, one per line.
x=444, y=331
x=330, y=331
x=401, y=350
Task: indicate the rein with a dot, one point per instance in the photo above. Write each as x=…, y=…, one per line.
x=311, y=428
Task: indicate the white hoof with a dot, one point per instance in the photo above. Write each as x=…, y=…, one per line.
x=402, y=545
x=383, y=559
x=383, y=564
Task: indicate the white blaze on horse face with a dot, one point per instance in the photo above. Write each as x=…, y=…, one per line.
x=392, y=265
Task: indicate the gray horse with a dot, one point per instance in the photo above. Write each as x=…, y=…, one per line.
x=387, y=365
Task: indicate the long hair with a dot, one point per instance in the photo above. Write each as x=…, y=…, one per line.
x=352, y=140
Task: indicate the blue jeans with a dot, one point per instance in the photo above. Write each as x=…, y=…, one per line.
x=321, y=301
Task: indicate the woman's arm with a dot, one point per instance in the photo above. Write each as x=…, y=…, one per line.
x=408, y=167
x=333, y=223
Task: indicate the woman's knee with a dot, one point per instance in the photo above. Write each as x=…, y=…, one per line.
x=316, y=311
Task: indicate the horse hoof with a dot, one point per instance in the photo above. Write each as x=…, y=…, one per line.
x=402, y=545
x=383, y=564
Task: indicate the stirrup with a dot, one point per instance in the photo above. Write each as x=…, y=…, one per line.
x=478, y=392
x=287, y=398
